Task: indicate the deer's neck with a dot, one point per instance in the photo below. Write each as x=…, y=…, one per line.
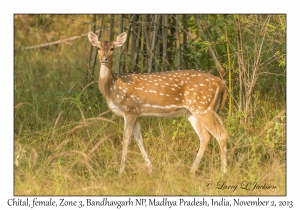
x=105, y=80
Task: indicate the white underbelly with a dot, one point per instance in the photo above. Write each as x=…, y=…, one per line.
x=164, y=113
x=154, y=111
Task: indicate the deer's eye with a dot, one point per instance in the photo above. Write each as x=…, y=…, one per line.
x=98, y=48
x=112, y=49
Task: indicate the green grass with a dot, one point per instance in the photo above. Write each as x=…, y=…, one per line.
x=66, y=143
x=83, y=158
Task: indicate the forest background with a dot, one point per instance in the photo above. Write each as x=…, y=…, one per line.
x=67, y=143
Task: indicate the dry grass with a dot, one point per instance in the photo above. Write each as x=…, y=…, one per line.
x=72, y=163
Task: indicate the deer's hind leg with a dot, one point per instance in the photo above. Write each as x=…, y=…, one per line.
x=204, y=137
x=210, y=123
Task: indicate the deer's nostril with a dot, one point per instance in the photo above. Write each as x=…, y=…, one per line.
x=104, y=59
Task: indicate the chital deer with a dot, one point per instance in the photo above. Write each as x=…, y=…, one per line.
x=166, y=94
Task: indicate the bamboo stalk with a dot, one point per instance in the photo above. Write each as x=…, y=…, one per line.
x=142, y=44
x=137, y=41
x=171, y=41
x=126, y=64
x=177, y=42
x=185, y=47
x=165, y=42
x=154, y=38
x=133, y=42
x=96, y=53
x=147, y=34
x=112, y=23
x=157, y=57
x=118, y=64
x=90, y=54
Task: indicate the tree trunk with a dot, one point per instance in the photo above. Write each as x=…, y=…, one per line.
x=137, y=42
x=171, y=40
x=157, y=56
x=153, y=43
x=185, y=44
x=133, y=43
x=90, y=72
x=127, y=63
x=177, y=35
x=147, y=39
x=165, y=42
x=112, y=23
x=96, y=53
x=118, y=64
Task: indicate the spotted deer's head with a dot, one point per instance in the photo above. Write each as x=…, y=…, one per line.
x=106, y=48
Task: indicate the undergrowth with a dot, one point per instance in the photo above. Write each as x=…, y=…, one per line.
x=78, y=153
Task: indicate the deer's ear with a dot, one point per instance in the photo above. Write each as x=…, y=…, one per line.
x=120, y=39
x=93, y=38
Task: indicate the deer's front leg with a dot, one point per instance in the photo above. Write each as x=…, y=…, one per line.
x=139, y=140
x=129, y=122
